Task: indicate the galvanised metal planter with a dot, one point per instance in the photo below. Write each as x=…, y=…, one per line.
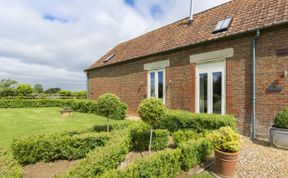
x=279, y=137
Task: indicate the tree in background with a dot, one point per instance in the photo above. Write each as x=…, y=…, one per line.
x=38, y=88
x=52, y=90
x=65, y=93
x=7, y=83
x=24, y=89
x=7, y=87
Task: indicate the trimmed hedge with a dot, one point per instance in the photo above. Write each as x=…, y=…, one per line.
x=164, y=164
x=140, y=133
x=46, y=148
x=9, y=166
x=193, y=152
x=176, y=120
x=83, y=106
x=32, y=103
x=181, y=136
x=104, y=158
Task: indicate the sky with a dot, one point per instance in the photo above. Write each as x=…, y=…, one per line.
x=51, y=42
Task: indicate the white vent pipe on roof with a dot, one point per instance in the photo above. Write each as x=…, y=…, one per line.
x=192, y=4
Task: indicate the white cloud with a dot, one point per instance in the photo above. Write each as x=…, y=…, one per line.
x=35, y=49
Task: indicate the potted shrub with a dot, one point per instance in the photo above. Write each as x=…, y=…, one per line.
x=226, y=144
x=279, y=131
x=152, y=111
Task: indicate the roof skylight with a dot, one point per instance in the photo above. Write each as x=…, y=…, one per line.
x=223, y=25
x=109, y=58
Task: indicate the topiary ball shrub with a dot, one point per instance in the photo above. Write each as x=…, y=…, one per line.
x=152, y=111
x=225, y=140
x=281, y=119
x=109, y=105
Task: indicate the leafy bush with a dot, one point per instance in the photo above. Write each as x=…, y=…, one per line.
x=109, y=105
x=152, y=111
x=24, y=89
x=281, y=119
x=104, y=158
x=193, y=152
x=185, y=135
x=140, y=133
x=57, y=146
x=176, y=120
x=162, y=164
x=225, y=139
x=8, y=166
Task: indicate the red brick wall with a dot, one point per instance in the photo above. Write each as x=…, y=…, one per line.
x=129, y=80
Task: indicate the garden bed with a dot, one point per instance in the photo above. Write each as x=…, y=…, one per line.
x=48, y=170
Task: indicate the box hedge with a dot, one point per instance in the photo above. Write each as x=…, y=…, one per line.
x=281, y=119
x=181, y=136
x=9, y=166
x=140, y=133
x=163, y=164
x=104, y=158
x=193, y=152
x=176, y=120
x=46, y=148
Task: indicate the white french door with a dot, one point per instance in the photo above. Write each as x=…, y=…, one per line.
x=210, y=88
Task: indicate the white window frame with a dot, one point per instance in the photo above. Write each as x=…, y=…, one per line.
x=156, y=83
x=211, y=68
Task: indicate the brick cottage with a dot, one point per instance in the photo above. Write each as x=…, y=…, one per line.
x=208, y=65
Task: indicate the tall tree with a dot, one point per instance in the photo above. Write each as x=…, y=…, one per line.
x=24, y=89
x=38, y=88
x=8, y=83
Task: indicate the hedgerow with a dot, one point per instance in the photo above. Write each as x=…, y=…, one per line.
x=83, y=106
x=198, y=122
x=46, y=148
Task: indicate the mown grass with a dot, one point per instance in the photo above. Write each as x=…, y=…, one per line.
x=19, y=122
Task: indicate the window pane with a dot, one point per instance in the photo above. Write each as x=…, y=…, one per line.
x=203, y=93
x=152, y=85
x=160, y=85
x=217, y=92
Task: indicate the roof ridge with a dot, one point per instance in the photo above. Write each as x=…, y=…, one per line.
x=174, y=35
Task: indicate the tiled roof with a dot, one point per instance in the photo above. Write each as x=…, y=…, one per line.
x=247, y=15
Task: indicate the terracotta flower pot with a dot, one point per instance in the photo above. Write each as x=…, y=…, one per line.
x=225, y=163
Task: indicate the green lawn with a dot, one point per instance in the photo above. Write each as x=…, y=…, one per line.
x=15, y=123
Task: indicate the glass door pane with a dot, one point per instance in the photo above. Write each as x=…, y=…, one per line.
x=203, y=90
x=160, y=85
x=152, y=85
x=217, y=92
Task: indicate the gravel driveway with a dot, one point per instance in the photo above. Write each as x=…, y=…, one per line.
x=258, y=161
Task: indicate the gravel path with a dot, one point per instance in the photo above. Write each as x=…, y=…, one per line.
x=258, y=161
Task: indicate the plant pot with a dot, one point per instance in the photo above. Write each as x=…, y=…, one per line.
x=279, y=137
x=225, y=163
